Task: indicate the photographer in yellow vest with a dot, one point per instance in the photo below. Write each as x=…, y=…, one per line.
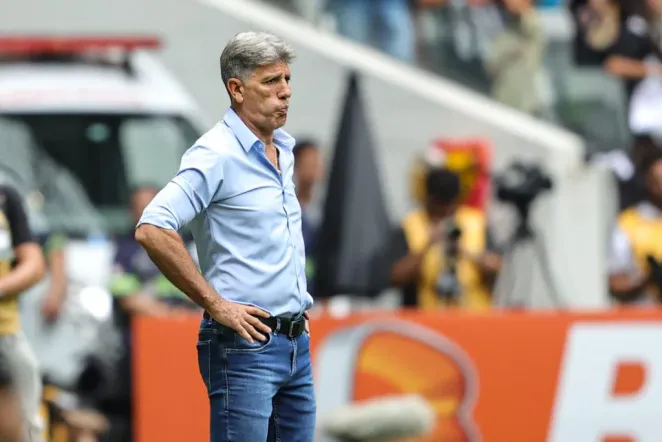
x=635, y=272
x=436, y=256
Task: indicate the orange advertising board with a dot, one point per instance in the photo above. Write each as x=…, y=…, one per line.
x=503, y=377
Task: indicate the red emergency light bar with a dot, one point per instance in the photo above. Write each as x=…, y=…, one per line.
x=73, y=45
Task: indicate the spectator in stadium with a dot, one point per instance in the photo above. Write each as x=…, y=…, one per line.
x=514, y=59
x=624, y=165
x=636, y=53
x=10, y=406
x=386, y=24
x=635, y=272
x=474, y=25
x=421, y=255
x=308, y=172
x=21, y=267
x=597, y=24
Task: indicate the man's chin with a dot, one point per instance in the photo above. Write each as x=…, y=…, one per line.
x=280, y=121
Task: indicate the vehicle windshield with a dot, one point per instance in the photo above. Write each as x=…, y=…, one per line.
x=85, y=165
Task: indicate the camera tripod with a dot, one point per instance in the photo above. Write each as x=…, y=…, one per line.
x=526, y=248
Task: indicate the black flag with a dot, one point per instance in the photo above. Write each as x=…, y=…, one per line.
x=356, y=223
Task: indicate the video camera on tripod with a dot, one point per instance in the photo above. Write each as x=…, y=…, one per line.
x=519, y=185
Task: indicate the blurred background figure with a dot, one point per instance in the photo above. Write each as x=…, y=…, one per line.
x=514, y=59
x=11, y=414
x=598, y=24
x=437, y=255
x=635, y=53
x=384, y=24
x=308, y=172
x=21, y=267
x=137, y=284
x=627, y=169
x=635, y=262
x=636, y=58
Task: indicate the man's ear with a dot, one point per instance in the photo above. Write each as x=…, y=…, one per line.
x=236, y=89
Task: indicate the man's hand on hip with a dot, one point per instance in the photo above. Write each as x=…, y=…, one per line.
x=243, y=319
x=306, y=316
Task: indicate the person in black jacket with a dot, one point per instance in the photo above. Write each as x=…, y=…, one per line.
x=636, y=53
x=627, y=168
x=597, y=24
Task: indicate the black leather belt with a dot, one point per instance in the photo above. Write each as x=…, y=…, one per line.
x=284, y=326
x=291, y=327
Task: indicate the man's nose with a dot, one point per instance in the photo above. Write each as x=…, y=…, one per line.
x=285, y=92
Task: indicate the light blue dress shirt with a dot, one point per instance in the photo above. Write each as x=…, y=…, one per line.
x=244, y=216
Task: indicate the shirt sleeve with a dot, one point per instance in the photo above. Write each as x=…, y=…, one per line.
x=17, y=218
x=621, y=259
x=194, y=187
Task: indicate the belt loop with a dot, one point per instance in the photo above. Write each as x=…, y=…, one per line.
x=278, y=324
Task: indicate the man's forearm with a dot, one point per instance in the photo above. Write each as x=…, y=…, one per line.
x=29, y=271
x=58, y=283
x=626, y=67
x=21, y=278
x=167, y=250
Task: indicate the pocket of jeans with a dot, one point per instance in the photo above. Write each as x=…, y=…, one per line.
x=241, y=345
x=204, y=362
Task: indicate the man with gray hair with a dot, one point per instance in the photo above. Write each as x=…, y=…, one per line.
x=235, y=188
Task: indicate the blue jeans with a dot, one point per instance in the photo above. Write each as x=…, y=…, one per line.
x=260, y=392
x=385, y=24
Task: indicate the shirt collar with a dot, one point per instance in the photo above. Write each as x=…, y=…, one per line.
x=247, y=139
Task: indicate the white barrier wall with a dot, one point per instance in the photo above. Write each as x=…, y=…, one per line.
x=408, y=108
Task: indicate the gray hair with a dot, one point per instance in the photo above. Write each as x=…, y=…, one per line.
x=247, y=51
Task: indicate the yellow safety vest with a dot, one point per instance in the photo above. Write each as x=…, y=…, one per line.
x=9, y=318
x=645, y=236
x=417, y=233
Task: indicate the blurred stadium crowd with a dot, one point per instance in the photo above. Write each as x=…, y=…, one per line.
x=70, y=179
